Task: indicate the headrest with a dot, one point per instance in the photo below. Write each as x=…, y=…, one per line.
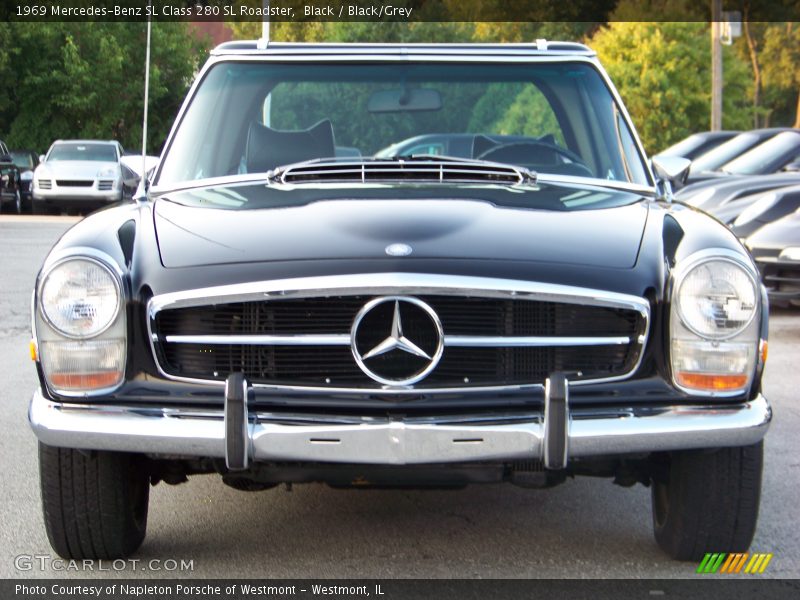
x=268, y=148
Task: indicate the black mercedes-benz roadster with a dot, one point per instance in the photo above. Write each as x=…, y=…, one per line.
x=284, y=306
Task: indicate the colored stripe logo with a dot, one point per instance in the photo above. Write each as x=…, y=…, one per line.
x=734, y=563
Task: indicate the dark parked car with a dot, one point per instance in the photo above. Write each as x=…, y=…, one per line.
x=768, y=157
x=698, y=144
x=714, y=195
x=270, y=314
x=709, y=164
x=776, y=249
x=26, y=161
x=9, y=181
x=763, y=209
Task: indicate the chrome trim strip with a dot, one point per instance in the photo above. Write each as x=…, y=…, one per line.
x=476, y=341
x=402, y=49
x=333, y=339
x=592, y=432
x=343, y=339
x=397, y=284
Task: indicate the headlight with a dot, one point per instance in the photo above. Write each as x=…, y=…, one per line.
x=717, y=299
x=80, y=298
x=107, y=173
x=80, y=328
x=26, y=176
x=714, y=333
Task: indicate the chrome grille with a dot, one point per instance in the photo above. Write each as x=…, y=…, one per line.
x=488, y=341
x=45, y=184
x=412, y=170
x=105, y=185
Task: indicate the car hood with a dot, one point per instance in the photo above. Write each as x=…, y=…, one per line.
x=431, y=228
x=781, y=234
x=75, y=169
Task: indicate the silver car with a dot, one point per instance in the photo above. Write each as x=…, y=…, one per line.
x=81, y=175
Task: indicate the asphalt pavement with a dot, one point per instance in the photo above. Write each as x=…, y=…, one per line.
x=583, y=528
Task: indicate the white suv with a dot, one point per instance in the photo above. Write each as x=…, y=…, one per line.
x=81, y=174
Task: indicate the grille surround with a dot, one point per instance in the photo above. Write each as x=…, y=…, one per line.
x=413, y=170
x=81, y=183
x=456, y=288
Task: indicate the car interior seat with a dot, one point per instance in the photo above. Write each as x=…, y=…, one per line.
x=267, y=148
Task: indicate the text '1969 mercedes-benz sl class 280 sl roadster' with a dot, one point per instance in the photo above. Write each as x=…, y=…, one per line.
x=420, y=265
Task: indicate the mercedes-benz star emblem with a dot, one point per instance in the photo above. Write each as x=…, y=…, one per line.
x=412, y=348
x=399, y=249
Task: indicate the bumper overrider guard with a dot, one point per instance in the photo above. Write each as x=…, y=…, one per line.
x=553, y=436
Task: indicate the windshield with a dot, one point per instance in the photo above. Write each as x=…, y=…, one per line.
x=758, y=161
x=713, y=160
x=81, y=151
x=556, y=118
x=23, y=160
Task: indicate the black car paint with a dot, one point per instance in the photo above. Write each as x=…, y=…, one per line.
x=766, y=246
x=788, y=201
x=9, y=178
x=731, y=188
x=26, y=186
x=698, y=144
x=664, y=235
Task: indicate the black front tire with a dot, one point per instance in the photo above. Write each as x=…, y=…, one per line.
x=95, y=503
x=707, y=500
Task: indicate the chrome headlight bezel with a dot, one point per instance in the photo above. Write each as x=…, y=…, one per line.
x=117, y=283
x=680, y=333
x=86, y=366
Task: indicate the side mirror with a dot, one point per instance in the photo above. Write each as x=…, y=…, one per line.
x=6, y=158
x=671, y=173
x=41, y=158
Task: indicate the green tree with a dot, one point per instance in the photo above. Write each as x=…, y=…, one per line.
x=85, y=80
x=781, y=70
x=663, y=73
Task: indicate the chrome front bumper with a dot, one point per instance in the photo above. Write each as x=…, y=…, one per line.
x=272, y=437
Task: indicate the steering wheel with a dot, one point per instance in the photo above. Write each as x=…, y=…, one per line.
x=510, y=153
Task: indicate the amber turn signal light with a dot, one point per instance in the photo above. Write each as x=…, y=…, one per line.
x=85, y=381
x=711, y=382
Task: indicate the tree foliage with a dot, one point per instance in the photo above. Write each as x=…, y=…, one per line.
x=85, y=80
x=663, y=73
x=780, y=58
